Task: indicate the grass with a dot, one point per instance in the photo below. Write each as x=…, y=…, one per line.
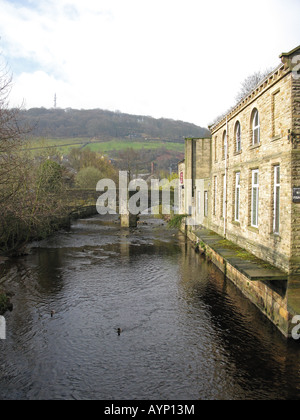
x=65, y=145
x=244, y=254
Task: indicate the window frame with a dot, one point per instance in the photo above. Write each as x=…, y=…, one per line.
x=205, y=203
x=237, y=199
x=255, y=188
x=215, y=194
x=216, y=149
x=238, y=140
x=276, y=198
x=199, y=202
x=225, y=144
x=224, y=198
x=255, y=128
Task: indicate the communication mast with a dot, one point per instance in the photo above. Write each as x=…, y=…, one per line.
x=55, y=103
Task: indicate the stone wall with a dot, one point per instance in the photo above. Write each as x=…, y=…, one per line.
x=295, y=169
x=273, y=100
x=272, y=303
x=273, y=235
x=198, y=170
x=272, y=239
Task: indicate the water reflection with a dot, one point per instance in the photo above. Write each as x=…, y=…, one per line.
x=254, y=350
x=187, y=332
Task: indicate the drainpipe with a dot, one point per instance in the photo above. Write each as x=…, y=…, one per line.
x=225, y=182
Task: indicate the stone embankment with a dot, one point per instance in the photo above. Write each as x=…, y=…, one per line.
x=269, y=288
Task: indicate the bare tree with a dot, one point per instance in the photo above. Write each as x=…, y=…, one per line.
x=247, y=86
x=27, y=209
x=130, y=161
x=251, y=82
x=10, y=141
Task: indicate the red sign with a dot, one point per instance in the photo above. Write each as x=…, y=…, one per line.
x=181, y=178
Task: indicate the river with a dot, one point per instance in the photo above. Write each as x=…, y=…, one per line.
x=187, y=332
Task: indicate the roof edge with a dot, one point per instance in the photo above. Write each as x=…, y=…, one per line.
x=262, y=82
x=290, y=53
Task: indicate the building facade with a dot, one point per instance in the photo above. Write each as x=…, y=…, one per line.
x=244, y=182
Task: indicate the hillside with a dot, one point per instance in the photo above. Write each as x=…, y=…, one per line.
x=105, y=125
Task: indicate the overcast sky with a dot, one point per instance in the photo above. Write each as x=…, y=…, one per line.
x=180, y=59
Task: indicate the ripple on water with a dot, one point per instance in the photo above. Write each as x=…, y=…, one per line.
x=186, y=332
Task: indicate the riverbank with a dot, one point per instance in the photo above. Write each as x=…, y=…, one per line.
x=263, y=284
x=17, y=245
x=57, y=223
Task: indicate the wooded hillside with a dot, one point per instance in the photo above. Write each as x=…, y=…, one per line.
x=97, y=123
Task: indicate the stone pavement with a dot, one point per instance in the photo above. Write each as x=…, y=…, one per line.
x=252, y=267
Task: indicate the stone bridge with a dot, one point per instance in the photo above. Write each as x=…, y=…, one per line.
x=83, y=202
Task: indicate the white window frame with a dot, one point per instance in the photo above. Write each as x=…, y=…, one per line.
x=256, y=128
x=238, y=137
x=181, y=199
x=255, y=190
x=199, y=202
x=225, y=145
x=276, y=220
x=205, y=203
x=216, y=149
x=237, y=196
x=215, y=195
x=224, y=196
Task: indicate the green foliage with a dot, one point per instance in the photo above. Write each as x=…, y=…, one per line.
x=113, y=134
x=65, y=145
x=81, y=159
x=87, y=178
x=50, y=176
x=176, y=221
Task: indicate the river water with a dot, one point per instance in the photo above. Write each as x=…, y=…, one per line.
x=187, y=332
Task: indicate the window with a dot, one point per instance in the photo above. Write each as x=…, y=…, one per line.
x=205, y=203
x=199, y=202
x=237, y=196
x=224, y=198
x=194, y=166
x=276, y=222
x=255, y=128
x=276, y=114
x=225, y=144
x=215, y=194
x=181, y=199
x=255, y=198
x=216, y=149
x=238, y=137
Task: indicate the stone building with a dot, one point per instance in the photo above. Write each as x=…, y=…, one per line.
x=244, y=182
